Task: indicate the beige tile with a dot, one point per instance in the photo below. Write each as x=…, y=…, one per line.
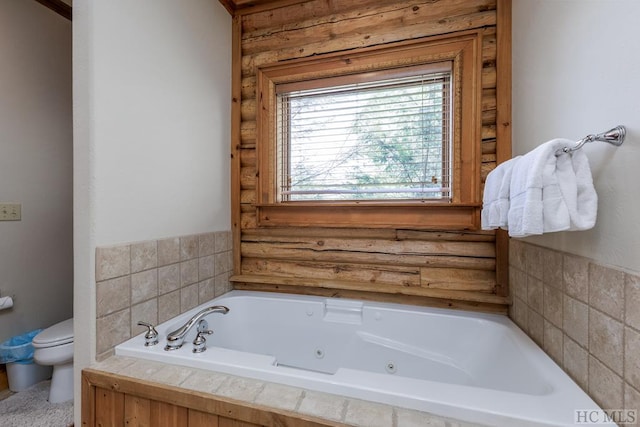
x=145, y=312
x=107, y=354
x=279, y=396
x=368, y=414
x=323, y=405
x=188, y=272
x=241, y=388
x=206, y=291
x=516, y=254
x=228, y=240
x=536, y=327
x=206, y=244
x=114, y=261
x=553, y=342
x=113, y=295
x=576, y=320
x=168, y=306
x=142, y=369
x=632, y=300
x=605, y=387
x=632, y=357
x=223, y=241
x=518, y=282
x=188, y=297
x=535, y=294
x=112, y=330
x=519, y=313
x=575, y=273
x=553, y=305
x=457, y=423
x=115, y=364
x=206, y=267
x=205, y=381
x=229, y=261
x=221, y=262
x=171, y=374
x=410, y=418
x=168, y=278
x=221, y=284
x=606, y=290
x=606, y=340
x=631, y=402
x=535, y=266
x=189, y=247
x=144, y=285
x=576, y=362
x=144, y=255
x=552, y=268
x=168, y=251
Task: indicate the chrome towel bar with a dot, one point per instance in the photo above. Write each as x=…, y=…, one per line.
x=613, y=136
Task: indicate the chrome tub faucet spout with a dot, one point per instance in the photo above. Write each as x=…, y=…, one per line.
x=175, y=339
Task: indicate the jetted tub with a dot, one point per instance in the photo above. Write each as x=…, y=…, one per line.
x=470, y=366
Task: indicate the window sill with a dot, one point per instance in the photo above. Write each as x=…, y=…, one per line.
x=419, y=215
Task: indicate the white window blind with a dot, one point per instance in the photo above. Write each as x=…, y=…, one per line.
x=380, y=140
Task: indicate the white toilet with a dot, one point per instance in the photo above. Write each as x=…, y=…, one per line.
x=54, y=346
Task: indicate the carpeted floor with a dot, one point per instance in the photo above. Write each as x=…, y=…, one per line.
x=30, y=408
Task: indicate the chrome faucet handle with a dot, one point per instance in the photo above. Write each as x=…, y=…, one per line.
x=176, y=338
x=151, y=336
x=200, y=343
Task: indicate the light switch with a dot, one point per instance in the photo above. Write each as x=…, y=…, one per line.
x=10, y=211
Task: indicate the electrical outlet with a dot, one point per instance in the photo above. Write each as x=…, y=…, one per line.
x=10, y=211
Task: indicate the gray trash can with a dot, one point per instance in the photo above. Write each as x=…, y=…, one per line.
x=22, y=371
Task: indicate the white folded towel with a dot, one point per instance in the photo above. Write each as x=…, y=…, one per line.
x=495, y=200
x=550, y=193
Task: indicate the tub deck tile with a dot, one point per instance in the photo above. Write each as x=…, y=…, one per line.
x=279, y=396
x=323, y=405
x=115, y=365
x=411, y=418
x=367, y=414
x=204, y=381
x=352, y=412
x=241, y=388
x=142, y=369
x=171, y=375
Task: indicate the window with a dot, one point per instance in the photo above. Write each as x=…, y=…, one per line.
x=366, y=140
x=383, y=137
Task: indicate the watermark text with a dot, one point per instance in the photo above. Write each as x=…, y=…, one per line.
x=605, y=416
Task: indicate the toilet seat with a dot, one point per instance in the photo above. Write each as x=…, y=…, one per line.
x=58, y=334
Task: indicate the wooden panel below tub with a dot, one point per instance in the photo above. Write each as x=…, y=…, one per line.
x=113, y=400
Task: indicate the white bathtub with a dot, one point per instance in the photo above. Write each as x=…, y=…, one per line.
x=469, y=366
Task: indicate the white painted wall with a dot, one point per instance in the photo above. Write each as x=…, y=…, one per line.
x=152, y=119
x=161, y=93
x=36, y=164
x=576, y=71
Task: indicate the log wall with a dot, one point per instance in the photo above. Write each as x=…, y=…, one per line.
x=426, y=267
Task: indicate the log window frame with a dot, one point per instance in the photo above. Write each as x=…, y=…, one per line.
x=461, y=212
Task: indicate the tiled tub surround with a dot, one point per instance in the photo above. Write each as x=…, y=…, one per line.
x=156, y=280
x=312, y=405
x=586, y=316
